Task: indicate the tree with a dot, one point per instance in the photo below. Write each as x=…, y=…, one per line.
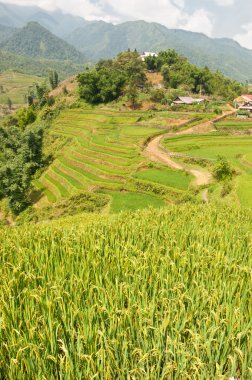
x=151, y=63
x=165, y=71
x=53, y=79
x=41, y=93
x=107, y=81
x=130, y=64
x=22, y=157
x=25, y=116
x=158, y=95
x=101, y=86
x=132, y=94
x=222, y=169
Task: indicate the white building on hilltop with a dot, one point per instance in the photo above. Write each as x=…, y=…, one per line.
x=148, y=54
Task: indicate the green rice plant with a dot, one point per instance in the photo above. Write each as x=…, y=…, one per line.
x=157, y=294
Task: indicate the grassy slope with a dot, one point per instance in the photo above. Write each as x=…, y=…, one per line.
x=104, y=153
x=16, y=85
x=157, y=294
x=38, y=67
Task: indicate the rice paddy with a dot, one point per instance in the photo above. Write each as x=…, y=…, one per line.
x=104, y=153
x=237, y=149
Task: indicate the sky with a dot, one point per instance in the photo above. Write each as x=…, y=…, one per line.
x=215, y=18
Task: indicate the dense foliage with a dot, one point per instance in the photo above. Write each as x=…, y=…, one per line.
x=152, y=295
x=107, y=81
x=222, y=169
x=20, y=158
x=21, y=142
x=178, y=72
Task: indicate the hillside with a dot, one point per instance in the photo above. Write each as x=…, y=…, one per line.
x=39, y=67
x=15, y=86
x=35, y=41
x=5, y=32
x=104, y=40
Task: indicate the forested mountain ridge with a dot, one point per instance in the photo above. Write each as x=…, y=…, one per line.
x=35, y=41
x=103, y=40
x=5, y=32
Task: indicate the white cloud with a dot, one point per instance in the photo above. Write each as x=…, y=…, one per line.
x=225, y=3
x=200, y=21
x=245, y=38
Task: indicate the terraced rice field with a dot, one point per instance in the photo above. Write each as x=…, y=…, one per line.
x=15, y=86
x=104, y=152
x=232, y=124
x=236, y=148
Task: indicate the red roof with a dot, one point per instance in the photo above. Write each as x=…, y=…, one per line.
x=247, y=96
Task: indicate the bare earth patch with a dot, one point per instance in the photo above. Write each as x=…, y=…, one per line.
x=69, y=84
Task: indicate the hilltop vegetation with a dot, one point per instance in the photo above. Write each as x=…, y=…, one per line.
x=125, y=73
x=178, y=72
x=110, y=77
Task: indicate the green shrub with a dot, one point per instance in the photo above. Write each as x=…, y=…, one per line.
x=222, y=169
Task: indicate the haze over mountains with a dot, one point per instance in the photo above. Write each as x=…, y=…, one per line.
x=82, y=40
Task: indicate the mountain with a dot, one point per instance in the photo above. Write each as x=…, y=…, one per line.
x=56, y=22
x=103, y=40
x=5, y=32
x=35, y=41
x=39, y=67
x=98, y=39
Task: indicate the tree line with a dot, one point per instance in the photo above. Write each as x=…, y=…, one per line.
x=21, y=146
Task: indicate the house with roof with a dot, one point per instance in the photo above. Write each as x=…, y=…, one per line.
x=243, y=104
x=242, y=100
x=188, y=100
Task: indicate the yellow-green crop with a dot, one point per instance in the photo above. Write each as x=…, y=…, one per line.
x=160, y=294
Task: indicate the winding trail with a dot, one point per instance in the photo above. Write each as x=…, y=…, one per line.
x=155, y=152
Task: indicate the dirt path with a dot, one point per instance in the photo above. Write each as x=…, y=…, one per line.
x=157, y=153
